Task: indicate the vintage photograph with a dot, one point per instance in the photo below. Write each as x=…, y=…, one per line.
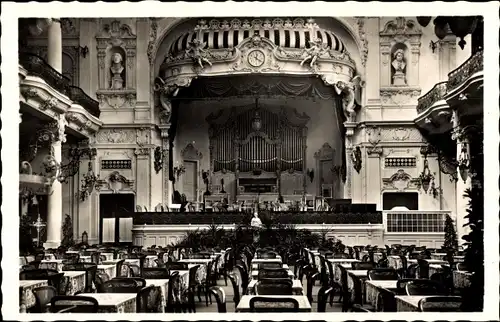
x=250, y=164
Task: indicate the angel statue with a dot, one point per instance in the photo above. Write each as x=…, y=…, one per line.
x=352, y=96
x=196, y=51
x=312, y=53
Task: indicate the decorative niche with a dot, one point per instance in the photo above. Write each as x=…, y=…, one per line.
x=324, y=164
x=116, y=55
x=400, y=42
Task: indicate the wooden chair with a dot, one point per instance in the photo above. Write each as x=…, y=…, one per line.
x=73, y=304
x=155, y=273
x=424, y=287
x=236, y=288
x=220, y=297
x=173, y=299
x=90, y=273
x=274, y=287
x=273, y=273
x=149, y=300
x=53, y=277
x=272, y=304
x=440, y=304
x=122, y=285
x=43, y=296
x=378, y=274
x=362, y=265
x=323, y=294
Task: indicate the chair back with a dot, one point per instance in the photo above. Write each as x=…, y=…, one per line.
x=73, y=304
x=362, y=265
x=273, y=304
x=440, y=304
x=323, y=294
x=424, y=287
x=122, y=285
x=100, y=279
x=269, y=266
x=273, y=273
x=274, y=287
x=341, y=255
x=423, y=268
x=378, y=274
x=43, y=296
x=178, y=266
x=192, y=275
x=220, y=297
x=236, y=288
x=268, y=255
x=149, y=300
x=244, y=278
x=173, y=293
x=155, y=273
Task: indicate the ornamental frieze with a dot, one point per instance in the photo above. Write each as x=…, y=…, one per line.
x=399, y=96
x=116, y=136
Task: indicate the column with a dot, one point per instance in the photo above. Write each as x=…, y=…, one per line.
x=348, y=150
x=54, y=205
x=447, y=57
x=54, y=48
x=167, y=184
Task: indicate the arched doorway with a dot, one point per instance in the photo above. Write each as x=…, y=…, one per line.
x=214, y=74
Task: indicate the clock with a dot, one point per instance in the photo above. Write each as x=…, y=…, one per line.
x=256, y=58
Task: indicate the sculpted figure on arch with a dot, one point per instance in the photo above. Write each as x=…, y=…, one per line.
x=314, y=52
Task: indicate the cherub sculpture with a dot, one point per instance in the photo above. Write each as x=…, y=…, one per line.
x=196, y=51
x=351, y=96
x=314, y=52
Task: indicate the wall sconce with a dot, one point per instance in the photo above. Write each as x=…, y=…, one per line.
x=433, y=45
x=158, y=158
x=464, y=162
x=83, y=51
x=178, y=171
x=89, y=182
x=426, y=176
x=356, y=159
x=310, y=173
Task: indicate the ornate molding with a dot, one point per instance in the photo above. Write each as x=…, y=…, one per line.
x=117, y=182
x=375, y=151
x=153, y=31
x=190, y=152
x=79, y=121
x=117, y=99
x=142, y=151
x=325, y=153
x=400, y=181
x=401, y=28
x=116, y=136
x=399, y=96
x=143, y=136
x=362, y=36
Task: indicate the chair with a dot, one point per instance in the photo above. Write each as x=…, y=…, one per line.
x=323, y=294
x=90, y=273
x=177, y=266
x=411, y=271
x=119, y=266
x=135, y=271
x=424, y=287
x=357, y=305
x=362, y=265
x=210, y=280
x=273, y=273
x=53, y=277
x=155, y=273
x=311, y=278
x=378, y=274
x=192, y=287
x=73, y=304
x=268, y=304
x=122, y=285
x=149, y=300
x=100, y=279
x=423, y=268
x=268, y=255
x=236, y=288
x=269, y=266
x=341, y=255
x=244, y=278
x=440, y=304
x=43, y=296
x=220, y=297
x=173, y=299
x=274, y=287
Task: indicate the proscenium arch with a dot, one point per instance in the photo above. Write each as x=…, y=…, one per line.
x=344, y=29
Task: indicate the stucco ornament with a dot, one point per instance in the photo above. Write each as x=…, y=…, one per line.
x=312, y=53
x=196, y=51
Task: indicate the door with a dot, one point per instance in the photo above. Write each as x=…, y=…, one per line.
x=112, y=207
x=189, y=180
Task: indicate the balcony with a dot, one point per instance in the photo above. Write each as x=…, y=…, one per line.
x=436, y=94
x=36, y=66
x=466, y=73
x=415, y=221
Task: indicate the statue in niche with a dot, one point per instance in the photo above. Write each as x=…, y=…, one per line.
x=117, y=70
x=399, y=65
x=312, y=53
x=196, y=51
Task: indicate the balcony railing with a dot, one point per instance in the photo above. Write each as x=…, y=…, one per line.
x=77, y=95
x=285, y=217
x=37, y=66
x=434, y=95
x=415, y=221
x=471, y=66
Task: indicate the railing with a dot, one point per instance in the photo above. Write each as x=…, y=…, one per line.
x=471, y=66
x=194, y=218
x=36, y=66
x=415, y=221
x=434, y=95
x=77, y=95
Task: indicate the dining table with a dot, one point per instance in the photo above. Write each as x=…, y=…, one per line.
x=304, y=305
x=110, y=270
x=375, y=287
x=409, y=303
x=114, y=302
x=73, y=282
x=26, y=295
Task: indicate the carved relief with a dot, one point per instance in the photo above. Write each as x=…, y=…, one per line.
x=191, y=153
x=116, y=100
x=142, y=151
x=399, y=96
x=374, y=134
x=116, y=136
x=401, y=134
x=400, y=181
x=153, y=30
x=117, y=182
x=142, y=136
x=362, y=36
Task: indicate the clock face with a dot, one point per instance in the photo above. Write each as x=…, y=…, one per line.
x=256, y=58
